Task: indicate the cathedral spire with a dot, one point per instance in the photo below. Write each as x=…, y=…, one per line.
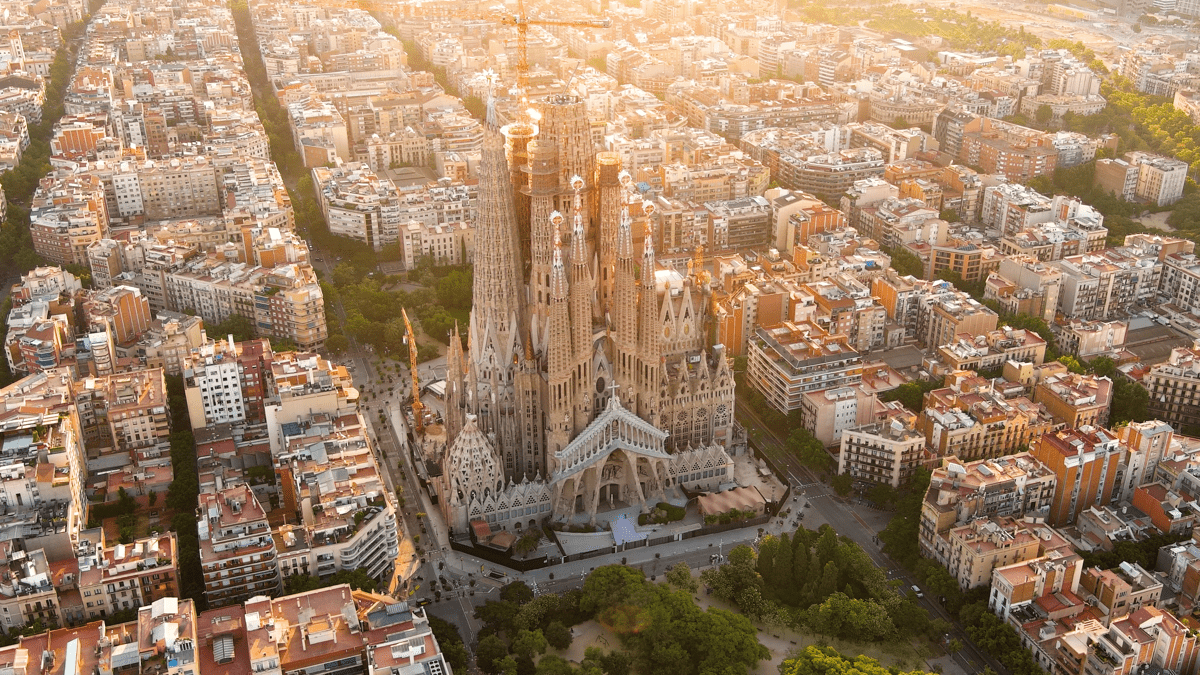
x=649, y=334
x=559, y=357
x=496, y=292
x=581, y=315
x=455, y=399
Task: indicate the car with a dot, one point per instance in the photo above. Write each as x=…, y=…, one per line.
x=424, y=601
x=495, y=575
x=917, y=589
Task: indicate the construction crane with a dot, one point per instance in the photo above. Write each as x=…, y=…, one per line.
x=521, y=21
x=417, y=408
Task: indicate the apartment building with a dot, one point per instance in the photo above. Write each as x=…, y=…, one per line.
x=228, y=382
x=1160, y=179
x=988, y=351
x=1149, y=637
x=348, y=520
x=798, y=216
x=68, y=214
x=1012, y=207
x=237, y=552
x=359, y=204
x=27, y=591
x=179, y=188
x=42, y=481
x=1143, y=445
x=843, y=305
x=119, y=577
x=1017, y=588
x=1024, y=285
x=791, y=358
x=1118, y=177
x=960, y=492
x=889, y=451
x=1017, y=152
x=450, y=244
x=333, y=630
x=124, y=416
x=1174, y=387
x=319, y=132
x=1076, y=400
x=1171, y=512
x=1089, y=339
x=946, y=313
x=284, y=301
x=1107, y=283
x=1181, y=281
x=967, y=259
x=1085, y=462
x=984, y=544
x=764, y=302
x=121, y=311
x=828, y=413
x=969, y=419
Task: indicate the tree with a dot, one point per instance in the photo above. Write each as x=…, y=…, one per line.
x=454, y=289
x=911, y=394
x=843, y=483
x=489, y=653
x=680, y=576
x=240, y=327
x=529, y=643
x=300, y=583
x=1044, y=114
x=450, y=642
x=949, y=215
x=1072, y=364
x=517, y=592
x=816, y=660
x=358, y=579
x=558, y=635
x=905, y=262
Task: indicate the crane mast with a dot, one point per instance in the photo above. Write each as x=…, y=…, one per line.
x=418, y=408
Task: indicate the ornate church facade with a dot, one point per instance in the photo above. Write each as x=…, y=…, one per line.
x=589, y=380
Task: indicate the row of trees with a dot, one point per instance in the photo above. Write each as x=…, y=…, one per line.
x=818, y=580
x=19, y=184
x=183, y=494
x=901, y=541
x=816, y=660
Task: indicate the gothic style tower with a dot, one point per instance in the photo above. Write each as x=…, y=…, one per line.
x=455, y=382
x=649, y=336
x=543, y=188
x=565, y=123
x=559, y=354
x=581, y=316
x=497, y=311
x=624, y=314
x=608, y=179
x=516, y=150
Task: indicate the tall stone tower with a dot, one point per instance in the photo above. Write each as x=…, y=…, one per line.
x=497, y=311
x=565, y=123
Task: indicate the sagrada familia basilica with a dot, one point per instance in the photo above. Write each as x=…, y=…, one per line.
x=588, y=381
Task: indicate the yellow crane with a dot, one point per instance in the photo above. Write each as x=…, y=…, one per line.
x=418, y=408
x=521, y=21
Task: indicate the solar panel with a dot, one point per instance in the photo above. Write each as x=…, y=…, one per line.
x=223, y=649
